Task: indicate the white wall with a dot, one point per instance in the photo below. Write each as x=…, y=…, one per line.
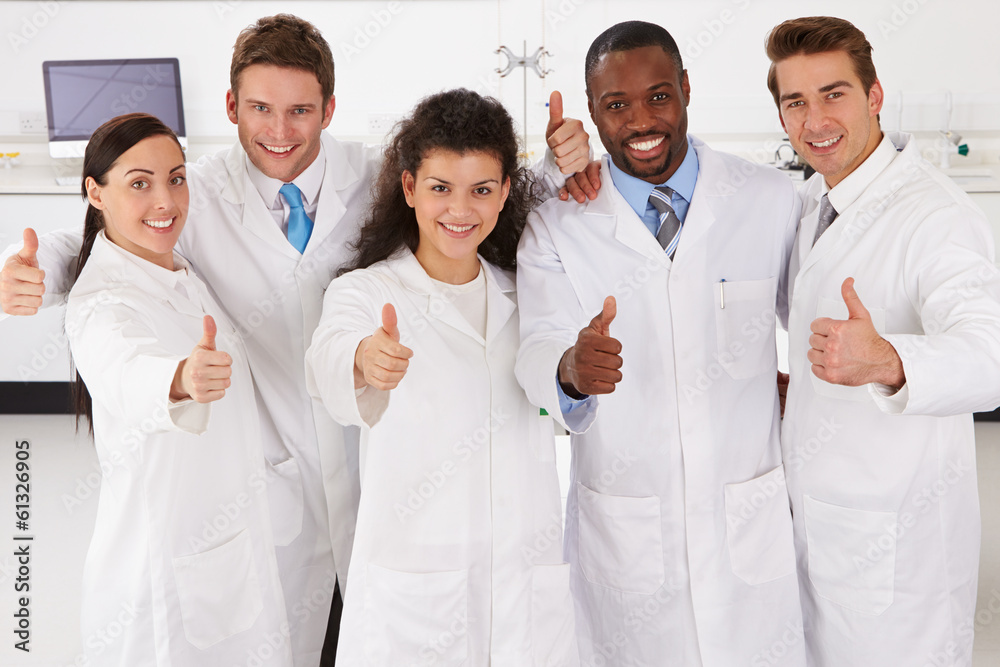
x=922, y=48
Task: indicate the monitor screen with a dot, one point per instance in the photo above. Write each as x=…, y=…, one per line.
x=81, y=95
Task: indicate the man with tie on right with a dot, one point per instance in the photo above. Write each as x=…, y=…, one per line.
x=894, y=340
x=647, y=321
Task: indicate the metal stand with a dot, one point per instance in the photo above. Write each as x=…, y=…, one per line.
x=534, y=62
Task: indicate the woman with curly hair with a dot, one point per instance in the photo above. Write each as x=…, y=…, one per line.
x=458, y=552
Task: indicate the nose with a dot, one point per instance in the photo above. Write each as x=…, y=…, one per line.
x=280, y=126
x=641, y=117
x=459, y=206
x=816, y=117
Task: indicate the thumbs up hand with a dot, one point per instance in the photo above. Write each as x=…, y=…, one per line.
x=850, y=352
x=592, y=365
x=380, y=360
x=21, y=286
x=205, y=375
x=569, y=142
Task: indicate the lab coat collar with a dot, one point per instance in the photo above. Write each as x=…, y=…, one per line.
x=630, y=230
x=122, y=267
x=878, y=179
x=240, y=191
x=500, y=295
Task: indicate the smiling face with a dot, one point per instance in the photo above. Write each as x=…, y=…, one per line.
x=145, y=201
x=638, y=100
x=279, y=114
x=830, y=120
x=457, y=199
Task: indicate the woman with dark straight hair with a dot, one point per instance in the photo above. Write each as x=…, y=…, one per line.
x=183, y=545
x=458, y=551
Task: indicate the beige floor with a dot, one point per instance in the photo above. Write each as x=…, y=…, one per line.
x=987, y=648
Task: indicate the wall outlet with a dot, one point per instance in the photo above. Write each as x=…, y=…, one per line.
x=33, y=122
x=381, y=123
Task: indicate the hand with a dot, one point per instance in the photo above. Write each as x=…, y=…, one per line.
x=569, y=142
x=583, y=185
x=380, y=360
x=591, y=365
x=203, y=376
x=850, y=352
x=782, y=390
x=21, y=286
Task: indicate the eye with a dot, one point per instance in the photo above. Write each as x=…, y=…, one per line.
x=834, y=95
x=177, y=180
x=796, y=103
x=483, y=190
x=614, y=106
x=299, y=112
x=259, y=107
x=439, y=188
x=660, y=97
x=140, y=185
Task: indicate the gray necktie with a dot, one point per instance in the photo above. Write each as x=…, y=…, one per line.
x=827, y=214
x=670, y=225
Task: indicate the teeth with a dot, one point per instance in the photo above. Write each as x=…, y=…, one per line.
x=646, y=145
x=159, y=224
x=278, y=149
x=457, y=228
x=824, y=144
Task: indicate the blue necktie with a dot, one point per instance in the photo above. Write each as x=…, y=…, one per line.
x=300, y=227
x=669, y=234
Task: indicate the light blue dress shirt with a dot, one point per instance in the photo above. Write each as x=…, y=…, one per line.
x=636, y=192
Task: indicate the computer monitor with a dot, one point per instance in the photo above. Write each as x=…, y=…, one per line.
x=81, y=95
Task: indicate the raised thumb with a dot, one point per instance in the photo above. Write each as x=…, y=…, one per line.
x=208, y=337
x=602, y=323
x=30, y=249
x=555, y=111
x=855, y=309
x=389, y=321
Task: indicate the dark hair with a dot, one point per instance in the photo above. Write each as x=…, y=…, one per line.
x=627, y=36
x=106, y=145
x=463, y=122
x=819, y=34
x=283, y=40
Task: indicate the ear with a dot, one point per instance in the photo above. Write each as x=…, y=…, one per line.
x=408, y=187
x=590, y=108
x=504, y=192
x=686, y=87
x=876, y=96
x=231, y=106
x=328, y=111
x=94, y=193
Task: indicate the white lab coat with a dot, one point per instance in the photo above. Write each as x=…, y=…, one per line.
x=678, y=526
x=181, y=568
x=884, y=490
x=273, y=295
x=457, y=558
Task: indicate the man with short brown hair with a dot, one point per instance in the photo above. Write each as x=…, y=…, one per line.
x=894, y=339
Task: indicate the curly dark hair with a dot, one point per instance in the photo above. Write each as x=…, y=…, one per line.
x=461, y=121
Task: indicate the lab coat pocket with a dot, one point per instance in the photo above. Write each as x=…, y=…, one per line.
x=553, y=637
x=218, y=591
x=284, y=495
x=744, y=325
x=415, y=619
x=759, y=528
x=837, y=309
x=621, y=541
x=852, y=555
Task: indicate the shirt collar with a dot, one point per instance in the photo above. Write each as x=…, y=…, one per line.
x=845, y=193
x=308, y=182
x=636, y=191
